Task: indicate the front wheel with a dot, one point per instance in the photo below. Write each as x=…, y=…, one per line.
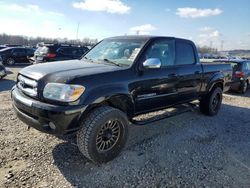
x=103, y=134
x=210, y=104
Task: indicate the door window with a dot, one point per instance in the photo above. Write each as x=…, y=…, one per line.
x=163, y=50
x=18, y=52
x=30, y=51
x=65, y=51
x=77, y=51
x=247, y=66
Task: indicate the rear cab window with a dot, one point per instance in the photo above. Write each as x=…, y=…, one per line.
x=185, y=54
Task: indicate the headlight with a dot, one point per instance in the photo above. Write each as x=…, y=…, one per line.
x=2, y=72
x=63, y=92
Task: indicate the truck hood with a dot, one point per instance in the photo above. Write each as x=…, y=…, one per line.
x=72, y=68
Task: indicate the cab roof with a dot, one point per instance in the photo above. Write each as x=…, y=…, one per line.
x=145, y=37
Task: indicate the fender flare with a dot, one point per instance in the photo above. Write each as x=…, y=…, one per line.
x=117, y=97
x=216, y=79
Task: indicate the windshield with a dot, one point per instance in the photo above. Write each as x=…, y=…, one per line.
x=122, y=52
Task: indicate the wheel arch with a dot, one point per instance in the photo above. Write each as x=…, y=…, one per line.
x=123, y=102
x=216, y=81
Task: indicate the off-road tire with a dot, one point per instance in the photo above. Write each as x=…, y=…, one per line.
x=90, y=127
x=207, y=105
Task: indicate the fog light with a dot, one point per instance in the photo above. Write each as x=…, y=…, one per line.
x=52, y=125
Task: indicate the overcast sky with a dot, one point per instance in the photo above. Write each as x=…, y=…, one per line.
x=207, y=22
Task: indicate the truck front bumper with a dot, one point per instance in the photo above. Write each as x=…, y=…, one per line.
x=51, y=119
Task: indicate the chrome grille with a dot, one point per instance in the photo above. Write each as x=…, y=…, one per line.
x=27, y=85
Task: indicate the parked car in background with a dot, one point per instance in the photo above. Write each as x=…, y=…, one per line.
x=13, y=55
x=241, y=74
x=57, y=52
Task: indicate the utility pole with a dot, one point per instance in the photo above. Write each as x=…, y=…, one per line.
x=211, y=46
x=221, y=45
x=77, y=30
x=60, y=34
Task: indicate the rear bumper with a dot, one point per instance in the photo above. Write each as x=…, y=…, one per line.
x=38, y=115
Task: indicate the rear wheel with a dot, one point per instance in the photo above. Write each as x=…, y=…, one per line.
x=244, y=87
x=103, y=134
x=210, y=104
x=10, y=61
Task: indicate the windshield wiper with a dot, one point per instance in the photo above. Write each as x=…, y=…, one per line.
x=111, y=62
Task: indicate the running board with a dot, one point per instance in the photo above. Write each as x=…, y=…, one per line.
x=164, y=114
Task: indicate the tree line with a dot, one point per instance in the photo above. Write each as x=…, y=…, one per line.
x=33, y=41
x=207, y=50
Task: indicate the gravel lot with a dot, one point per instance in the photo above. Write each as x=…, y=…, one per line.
x=189, y=150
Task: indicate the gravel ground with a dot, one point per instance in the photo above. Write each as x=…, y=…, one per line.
x=189, y=150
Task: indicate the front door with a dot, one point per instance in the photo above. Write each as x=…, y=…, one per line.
x=157, y=88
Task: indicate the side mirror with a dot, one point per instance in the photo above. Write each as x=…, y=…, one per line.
x=152, y=63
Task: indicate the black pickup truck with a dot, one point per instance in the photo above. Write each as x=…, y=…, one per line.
x=120, y=78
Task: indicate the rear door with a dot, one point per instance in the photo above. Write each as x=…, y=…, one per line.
x=189, y=70
x=19, y=54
